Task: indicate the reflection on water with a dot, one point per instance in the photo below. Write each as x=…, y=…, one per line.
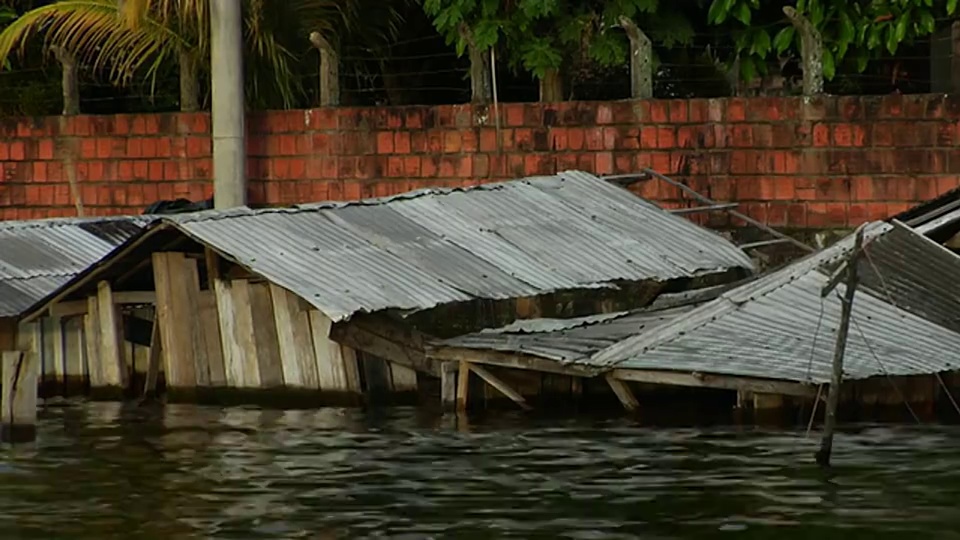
x=101, y=471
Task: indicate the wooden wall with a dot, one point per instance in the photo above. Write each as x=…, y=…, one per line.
x=244, y=333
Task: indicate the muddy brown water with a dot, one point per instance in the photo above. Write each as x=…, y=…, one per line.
x=103, y=471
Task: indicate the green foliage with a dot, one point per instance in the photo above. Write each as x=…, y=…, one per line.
x=861, y=29
x=540, y=35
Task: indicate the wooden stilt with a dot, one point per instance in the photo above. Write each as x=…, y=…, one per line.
x=18, y=401
x=448, y=385
x=833, y=397
x=153, y=364
x=500, y=385
x=113, y=368
x=463, y=386
x=624, y=394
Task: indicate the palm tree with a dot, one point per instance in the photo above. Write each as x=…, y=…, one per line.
x=128, y=39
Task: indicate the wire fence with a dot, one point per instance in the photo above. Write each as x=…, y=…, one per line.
x=425, y=70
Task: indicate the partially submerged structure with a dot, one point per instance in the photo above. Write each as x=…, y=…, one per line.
x=341, y=297
x=36, y=258
x=773, y=335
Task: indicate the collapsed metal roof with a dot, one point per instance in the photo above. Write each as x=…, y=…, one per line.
x=39, y=256
x=905, y=321
x=436, y=246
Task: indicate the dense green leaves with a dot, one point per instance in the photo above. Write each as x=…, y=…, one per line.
x=867, y=28
x=540, y=35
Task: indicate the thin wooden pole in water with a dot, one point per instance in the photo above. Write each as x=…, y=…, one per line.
x=833, y=398
x=18, y=419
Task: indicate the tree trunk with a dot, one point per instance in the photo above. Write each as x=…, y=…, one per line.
x=641, y=60
x=189, y=85
x=480, y=74
x=71, y=88
x=811, y=49
x=551, y=87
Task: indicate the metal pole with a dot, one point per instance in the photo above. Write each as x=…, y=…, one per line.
x=833, y=398
x=226, y=63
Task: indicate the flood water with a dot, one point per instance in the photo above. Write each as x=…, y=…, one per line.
x=98, y=471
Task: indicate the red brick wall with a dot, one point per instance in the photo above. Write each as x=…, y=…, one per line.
x=789, y=162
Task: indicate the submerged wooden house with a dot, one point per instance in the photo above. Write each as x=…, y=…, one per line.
x=766, y=342
x=36, y=258
x=337, y=300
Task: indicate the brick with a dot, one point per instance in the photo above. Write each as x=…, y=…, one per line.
x=659, y=111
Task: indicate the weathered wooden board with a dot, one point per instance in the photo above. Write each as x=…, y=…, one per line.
x=332, y=370
x=210, y=324
x=176, y=333
x=112, y=369
x=265, y=336
x=294, y=340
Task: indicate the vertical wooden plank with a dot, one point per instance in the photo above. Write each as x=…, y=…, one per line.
x=244, y=334
x=29, y=341
x=113, y=367
x=448, y=385
x=73, y=353
x=463, y=386
x=227, y=318
x=8, y=334
x=265, y=336
x=154, y=360
x=210, y=324
x=351, y=366
x=171, y=280
x=18, y=399
x=59, y=342
x=293, y=337
x=91, y=339
x=49, y=374
x=331, y=368
x=198, y=340
x=404, y=378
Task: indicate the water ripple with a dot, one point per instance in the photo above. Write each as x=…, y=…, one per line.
x=105, y=471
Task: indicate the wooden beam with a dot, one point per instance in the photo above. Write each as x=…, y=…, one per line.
x=624, y=394
x=365, y=340
x=510, y=360
x=94, y=274
x=79, y=307
x=500, y=385
x=723, y=382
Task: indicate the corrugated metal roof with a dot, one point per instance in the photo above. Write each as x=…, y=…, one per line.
x=779, y=327
x=39, y=256
x=504, y=240
x=776, y=326
x=568, y=341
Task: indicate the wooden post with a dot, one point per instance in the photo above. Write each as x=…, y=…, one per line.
x=153, y=364
x=463, y=386
x=329, y=71
x=71, y=88
x=448, y=385
x=830, y=421
x=811, y=49
x=641, y=60
x=18, y=419
x=112, y=369
x=481, y=75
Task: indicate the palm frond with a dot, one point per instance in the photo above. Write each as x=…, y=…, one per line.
x=96, y=33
